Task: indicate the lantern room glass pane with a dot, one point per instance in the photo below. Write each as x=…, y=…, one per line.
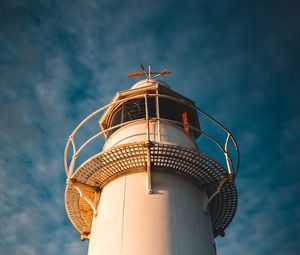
x=173, y=110
x=168, y=109
x=132, y=110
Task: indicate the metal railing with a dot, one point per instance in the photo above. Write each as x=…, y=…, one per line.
x=232, y=167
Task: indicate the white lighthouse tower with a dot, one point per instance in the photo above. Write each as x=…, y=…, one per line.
x=151, y=190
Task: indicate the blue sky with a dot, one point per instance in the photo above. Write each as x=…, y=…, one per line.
x=61, y=60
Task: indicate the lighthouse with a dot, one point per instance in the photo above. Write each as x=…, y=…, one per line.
x=149, y=188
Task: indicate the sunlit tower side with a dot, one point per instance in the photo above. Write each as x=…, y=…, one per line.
x=151, y=190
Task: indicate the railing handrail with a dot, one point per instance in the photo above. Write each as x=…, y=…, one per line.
x=69, y=168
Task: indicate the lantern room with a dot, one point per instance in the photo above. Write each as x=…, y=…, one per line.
x=159, y=103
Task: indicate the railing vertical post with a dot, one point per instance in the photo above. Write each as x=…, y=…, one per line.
x=157, y=114
x=148, y=144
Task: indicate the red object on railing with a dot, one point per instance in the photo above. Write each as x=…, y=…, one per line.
x=185, y=122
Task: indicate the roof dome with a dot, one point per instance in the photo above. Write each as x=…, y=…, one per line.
x=148, y=82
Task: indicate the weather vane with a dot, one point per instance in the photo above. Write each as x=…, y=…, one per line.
x=149, y=73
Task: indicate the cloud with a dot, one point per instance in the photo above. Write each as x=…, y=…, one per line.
x=265, y=220
x=60, y=61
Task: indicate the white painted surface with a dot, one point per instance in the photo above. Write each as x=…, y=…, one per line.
x=137, y=131
x=148, y=82
x=169, y=222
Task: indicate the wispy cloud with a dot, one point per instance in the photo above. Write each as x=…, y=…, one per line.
x=59, y=61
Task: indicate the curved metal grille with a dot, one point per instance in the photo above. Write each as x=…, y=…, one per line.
x=105, y=166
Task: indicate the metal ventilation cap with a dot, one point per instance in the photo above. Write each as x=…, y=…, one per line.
x=148, y=82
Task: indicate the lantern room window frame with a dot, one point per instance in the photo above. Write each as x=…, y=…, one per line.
x=155, y=107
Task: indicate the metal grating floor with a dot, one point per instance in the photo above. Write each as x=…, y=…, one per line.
x=107, y=165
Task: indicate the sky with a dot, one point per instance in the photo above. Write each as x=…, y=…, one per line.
x=61, y=60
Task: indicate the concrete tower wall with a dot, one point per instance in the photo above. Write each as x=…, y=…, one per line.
x=170, y=221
